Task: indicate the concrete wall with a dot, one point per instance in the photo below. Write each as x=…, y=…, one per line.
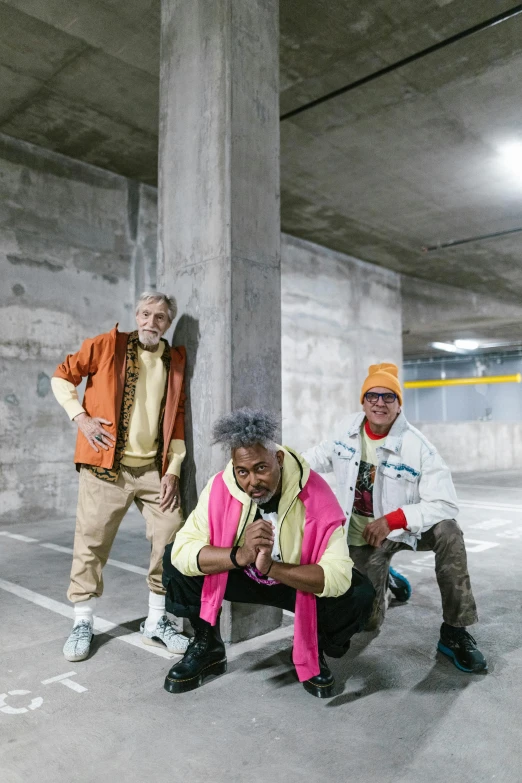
x=339, y=316
x=477, y=445
x=71, y=239
x=77, y=244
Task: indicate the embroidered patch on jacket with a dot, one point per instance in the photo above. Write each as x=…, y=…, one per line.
x=402, y=467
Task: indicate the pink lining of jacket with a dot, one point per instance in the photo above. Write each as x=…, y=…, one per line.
x=323, y=515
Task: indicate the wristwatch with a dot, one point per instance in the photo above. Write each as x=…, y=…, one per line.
x=233, y=553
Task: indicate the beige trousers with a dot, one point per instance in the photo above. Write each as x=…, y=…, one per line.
x=101, y=508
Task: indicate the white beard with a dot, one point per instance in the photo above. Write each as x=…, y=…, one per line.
x=148, y=339
x=265, y=498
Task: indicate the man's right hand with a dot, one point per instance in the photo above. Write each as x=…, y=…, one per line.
x=258, y=534
x=97, y=436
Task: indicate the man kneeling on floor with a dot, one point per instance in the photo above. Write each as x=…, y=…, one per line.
x=399, y=495
x=235, y=546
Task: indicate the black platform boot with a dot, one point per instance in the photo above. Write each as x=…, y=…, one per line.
x=322, y=685
x=205, y=656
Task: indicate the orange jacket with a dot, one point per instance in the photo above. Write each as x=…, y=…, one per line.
x=102, y=360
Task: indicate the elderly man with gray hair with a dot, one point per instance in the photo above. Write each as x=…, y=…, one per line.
x=130, y=446
x=267, y=530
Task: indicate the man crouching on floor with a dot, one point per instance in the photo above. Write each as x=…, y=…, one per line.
x=234, y=546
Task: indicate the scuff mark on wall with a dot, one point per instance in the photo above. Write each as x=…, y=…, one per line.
x=43, y=385
x=38, y=262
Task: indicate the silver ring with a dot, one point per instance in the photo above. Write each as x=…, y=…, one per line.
x=99, y=438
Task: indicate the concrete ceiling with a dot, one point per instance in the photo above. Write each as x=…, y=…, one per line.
x=411, y=159
x=405, y=161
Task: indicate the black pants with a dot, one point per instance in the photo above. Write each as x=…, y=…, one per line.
x=338, y=619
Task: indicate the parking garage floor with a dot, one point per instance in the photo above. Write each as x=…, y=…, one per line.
x=402, y=712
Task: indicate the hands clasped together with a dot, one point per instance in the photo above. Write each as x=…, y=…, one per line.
x=257, y=547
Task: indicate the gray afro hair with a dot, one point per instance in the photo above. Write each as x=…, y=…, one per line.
x=246, y=427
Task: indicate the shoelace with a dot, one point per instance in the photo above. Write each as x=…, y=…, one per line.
x=169, y=631
x=81, y=632
x=466, y=640
x=199, y=643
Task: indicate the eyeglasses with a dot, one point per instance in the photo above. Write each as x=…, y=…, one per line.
x=387, y=397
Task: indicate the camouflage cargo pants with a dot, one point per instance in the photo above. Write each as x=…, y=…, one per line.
x=446, y=540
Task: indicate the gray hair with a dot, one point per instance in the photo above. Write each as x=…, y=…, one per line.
x=157, y=296
x=246, y=427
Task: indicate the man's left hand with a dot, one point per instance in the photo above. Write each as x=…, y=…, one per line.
x=169, y=493
x=375, y=533
x=264, y=560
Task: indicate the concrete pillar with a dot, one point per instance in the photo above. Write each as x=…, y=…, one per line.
x=219, y=225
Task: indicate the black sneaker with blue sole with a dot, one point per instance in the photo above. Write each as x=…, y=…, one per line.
x=461, y=648
x=399, y=586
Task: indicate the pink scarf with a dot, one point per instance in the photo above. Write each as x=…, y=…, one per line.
x=323, y=515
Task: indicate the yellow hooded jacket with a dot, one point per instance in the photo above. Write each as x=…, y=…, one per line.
x=194, y=535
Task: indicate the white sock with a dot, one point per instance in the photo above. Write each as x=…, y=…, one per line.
x=156, y=611
x=84, y=611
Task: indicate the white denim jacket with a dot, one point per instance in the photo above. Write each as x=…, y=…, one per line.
x=411, y=475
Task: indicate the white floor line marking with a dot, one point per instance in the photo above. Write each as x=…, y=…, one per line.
x=478, y=488
x=235, y=650
x=104, y=626
x=116, y=563
x=480, y=546
x=490, y=524
x=58, y=548
x=114, y=630
x=33, y=705
x=58, y=678
x=68, y=551
x=100, y=625
x=488, y=506
x=127, y=566
x=64, y=679
x=427, y=560
x=36, y=598
x=19, y=537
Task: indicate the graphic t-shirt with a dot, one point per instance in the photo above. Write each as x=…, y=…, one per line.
x=362, y=512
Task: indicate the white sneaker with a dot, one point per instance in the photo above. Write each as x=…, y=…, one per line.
x=77, y=646
x=165, y=635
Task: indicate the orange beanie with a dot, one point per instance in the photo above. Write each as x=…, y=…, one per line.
x=385, y=375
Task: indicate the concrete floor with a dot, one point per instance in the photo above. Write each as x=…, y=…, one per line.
x=401, y=712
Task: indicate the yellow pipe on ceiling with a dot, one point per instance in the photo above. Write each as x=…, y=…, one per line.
x=463, y=381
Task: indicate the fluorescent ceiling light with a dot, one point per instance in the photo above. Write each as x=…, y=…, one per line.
x=449, y=347
x=511, y=154
x=467, y=345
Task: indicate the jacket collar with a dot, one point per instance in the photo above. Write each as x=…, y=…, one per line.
x=296, y=473
x=356, y=424
x=394, y=438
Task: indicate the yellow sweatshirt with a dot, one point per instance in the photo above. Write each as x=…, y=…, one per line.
x=194, y=535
